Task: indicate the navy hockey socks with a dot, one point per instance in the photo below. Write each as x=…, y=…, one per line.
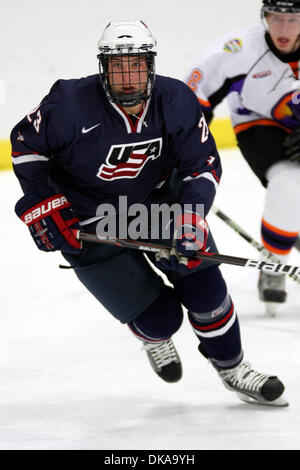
x=219, y=334
x=212, y=316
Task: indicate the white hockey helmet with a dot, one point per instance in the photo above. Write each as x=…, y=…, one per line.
x=125, y=38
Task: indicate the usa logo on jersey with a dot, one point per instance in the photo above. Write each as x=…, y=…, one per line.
x=127, y=160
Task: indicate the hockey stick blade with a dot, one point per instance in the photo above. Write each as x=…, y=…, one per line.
x=258, y=246
x=210, y=257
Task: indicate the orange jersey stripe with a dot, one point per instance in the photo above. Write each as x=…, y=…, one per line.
x=295, y=68
x=279, y=231
x=204, y=103
x=259, y=122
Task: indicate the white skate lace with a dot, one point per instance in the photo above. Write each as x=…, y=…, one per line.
x=162, y=353
x=243, y=377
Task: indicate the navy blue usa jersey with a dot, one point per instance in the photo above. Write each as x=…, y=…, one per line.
x=89, y=149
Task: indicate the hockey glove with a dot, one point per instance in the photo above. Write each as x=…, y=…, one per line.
x=291, y=145
x=50, y=220
x=190, y=236
x=191, y=233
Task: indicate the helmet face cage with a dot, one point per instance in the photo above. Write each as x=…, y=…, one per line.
x=126, y=56
x=144, y=81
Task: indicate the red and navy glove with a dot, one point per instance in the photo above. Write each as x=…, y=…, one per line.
x=190, y=235
x=191, y=232
x=49, y=217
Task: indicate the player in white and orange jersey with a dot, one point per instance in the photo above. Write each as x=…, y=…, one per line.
x=257, y=70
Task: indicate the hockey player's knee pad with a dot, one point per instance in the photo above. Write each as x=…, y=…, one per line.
x=161, y=319
x=203, y=291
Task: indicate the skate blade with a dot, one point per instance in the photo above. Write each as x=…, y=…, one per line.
x=272, y=309
x=279, y=402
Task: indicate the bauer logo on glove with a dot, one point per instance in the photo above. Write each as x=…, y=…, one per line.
x=50, y=220
x=41, y=210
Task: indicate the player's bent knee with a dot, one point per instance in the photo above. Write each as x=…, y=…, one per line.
x=202, y=291
x=161, y=319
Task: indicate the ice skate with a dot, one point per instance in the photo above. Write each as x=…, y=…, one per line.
x=164, y=360
x=252, y=386
x=271, y=289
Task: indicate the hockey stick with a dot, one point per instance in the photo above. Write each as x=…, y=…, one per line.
x=238, y=229
x=211, y=257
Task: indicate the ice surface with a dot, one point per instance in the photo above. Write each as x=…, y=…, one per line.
x=71, y=377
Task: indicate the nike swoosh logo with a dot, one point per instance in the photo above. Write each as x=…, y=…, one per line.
x=84, y=130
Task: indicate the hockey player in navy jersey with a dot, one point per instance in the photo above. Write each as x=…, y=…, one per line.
x=140, y=136
x=257, y=70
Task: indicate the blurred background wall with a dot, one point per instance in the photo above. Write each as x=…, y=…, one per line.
x=42, y=41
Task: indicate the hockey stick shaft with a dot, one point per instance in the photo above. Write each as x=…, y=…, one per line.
x=211, y=257
x=246, y=236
